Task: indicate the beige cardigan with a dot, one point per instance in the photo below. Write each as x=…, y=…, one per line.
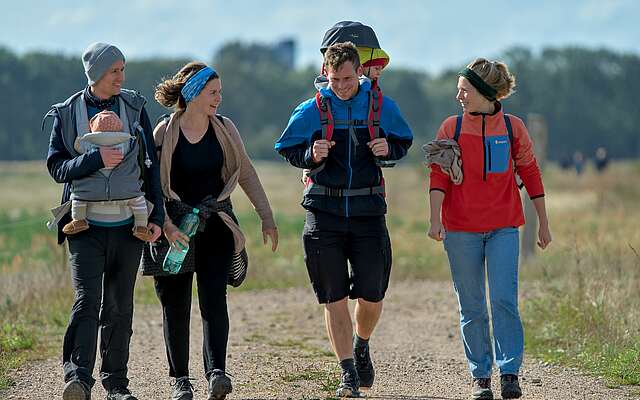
x=237, y=169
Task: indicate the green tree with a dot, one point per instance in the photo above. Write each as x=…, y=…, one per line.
x=587, y=96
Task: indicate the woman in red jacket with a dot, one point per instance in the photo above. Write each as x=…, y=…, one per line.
x=481, y=213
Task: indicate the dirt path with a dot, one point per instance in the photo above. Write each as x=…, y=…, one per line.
x=278, y=349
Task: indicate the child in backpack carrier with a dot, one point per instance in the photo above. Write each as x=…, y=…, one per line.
x=373, y=61
x=106, y=129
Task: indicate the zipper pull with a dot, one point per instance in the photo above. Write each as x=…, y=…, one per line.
x=354, y=137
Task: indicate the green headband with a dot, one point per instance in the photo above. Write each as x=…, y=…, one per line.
x=483, y=87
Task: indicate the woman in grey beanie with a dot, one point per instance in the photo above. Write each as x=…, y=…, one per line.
x=104, y=257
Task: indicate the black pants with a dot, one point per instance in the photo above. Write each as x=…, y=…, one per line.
x=214, y=251
x=330, y=241
x=104, y=263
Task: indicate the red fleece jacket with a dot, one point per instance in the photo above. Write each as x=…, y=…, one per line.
x=488, y=197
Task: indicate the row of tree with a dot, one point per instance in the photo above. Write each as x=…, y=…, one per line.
x=587, y=96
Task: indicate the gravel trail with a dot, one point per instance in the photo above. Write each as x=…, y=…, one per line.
x=278, y=350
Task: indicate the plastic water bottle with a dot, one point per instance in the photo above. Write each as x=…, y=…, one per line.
x=175, y=256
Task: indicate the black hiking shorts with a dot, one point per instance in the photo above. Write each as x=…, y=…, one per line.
x=331, y=240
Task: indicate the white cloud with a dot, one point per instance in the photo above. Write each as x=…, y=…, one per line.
x=603, y=10
x=78, y=17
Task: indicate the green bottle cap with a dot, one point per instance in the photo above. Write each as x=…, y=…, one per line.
x=195, y=211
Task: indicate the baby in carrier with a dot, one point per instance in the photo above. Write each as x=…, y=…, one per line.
x=106, y=129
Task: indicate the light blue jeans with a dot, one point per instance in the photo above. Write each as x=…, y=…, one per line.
x=467, y=252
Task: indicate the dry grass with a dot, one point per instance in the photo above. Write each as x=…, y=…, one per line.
x=581, y=295
x=587, y=309
x=27, y=186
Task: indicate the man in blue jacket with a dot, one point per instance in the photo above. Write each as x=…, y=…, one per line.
x=342, y=135
x=105, y=257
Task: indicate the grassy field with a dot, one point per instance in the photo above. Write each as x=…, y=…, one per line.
x=581, y=300
x=587, y=311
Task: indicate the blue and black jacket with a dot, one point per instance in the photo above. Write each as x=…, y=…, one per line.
x=350, y=164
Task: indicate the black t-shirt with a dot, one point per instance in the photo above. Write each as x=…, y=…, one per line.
x=196, y=169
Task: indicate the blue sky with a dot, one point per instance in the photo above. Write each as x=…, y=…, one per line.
x=427, y=35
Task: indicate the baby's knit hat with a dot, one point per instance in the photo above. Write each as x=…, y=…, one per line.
x=105, y=121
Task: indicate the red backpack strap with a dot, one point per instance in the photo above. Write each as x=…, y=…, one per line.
x=375, y=108
x=326, y=118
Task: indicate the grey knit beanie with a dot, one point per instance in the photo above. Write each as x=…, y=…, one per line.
x=97, y=58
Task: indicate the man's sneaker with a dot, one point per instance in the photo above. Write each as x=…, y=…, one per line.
x=182, y=389
x=120, y=394
x=349, y=385
x=481, y=389
x=76, y=390
x=509, y=387
x=364, y=366
x=219, y=385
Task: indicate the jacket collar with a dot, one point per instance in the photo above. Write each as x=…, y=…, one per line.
x=497, y=111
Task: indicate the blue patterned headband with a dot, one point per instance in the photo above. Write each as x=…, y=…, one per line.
x=194, y=85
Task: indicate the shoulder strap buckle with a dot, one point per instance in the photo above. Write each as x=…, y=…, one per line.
x=326, y=118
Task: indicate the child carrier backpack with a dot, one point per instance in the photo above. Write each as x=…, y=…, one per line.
x=349, y=31
x=327, y=123
x=361, y=36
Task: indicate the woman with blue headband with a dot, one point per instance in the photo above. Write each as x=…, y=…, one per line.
x=202, y=160
x=476, y=210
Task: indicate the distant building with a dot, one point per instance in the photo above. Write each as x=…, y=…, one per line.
x=285, y=52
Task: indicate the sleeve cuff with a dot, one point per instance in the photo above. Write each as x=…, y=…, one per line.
x=308, y=158
x=157, y=221
x=96, y=159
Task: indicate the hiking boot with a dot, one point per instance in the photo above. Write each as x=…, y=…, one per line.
x=143, y=233
x=182, y=389
x=75, y=226
x=349, y=384
x=364, y=366
x=120, y=394
x=76, y=390
x=509, y=387
x=481, y=389
x=219, y=385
